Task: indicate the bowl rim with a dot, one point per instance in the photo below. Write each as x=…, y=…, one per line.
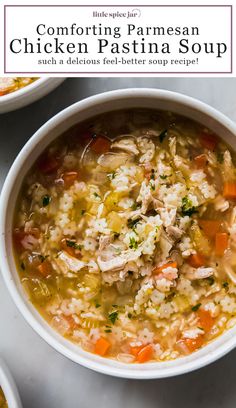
x=8, y=386
x=41, y=81
x=151, y=370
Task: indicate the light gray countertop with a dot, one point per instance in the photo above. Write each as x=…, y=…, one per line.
x=45, y=378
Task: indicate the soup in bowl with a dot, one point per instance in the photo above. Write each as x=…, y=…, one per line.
x=122, y=233
x=16, y=92
x=9, y=396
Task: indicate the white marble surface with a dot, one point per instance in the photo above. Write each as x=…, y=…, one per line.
x=45, y=378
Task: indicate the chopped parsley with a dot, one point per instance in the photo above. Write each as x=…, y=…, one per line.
x=211, y=280
x=46, y=200
x=225, y=285
x=162, y=135
x=111, y=175
x=133, y=243
x=220, y=157
x=163, y=176
x=196, y=307
x=187, y=207
x=152, y=176
x=108, y=331
x=113, y=316
x=97, y=305
x=72, y=244
x=133, y=223
x=42, y=258
x=135, y=206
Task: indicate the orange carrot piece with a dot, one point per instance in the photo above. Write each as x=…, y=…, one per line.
x=159, y=269
x=229, y=190
x=205, y=320
x=45, y=268
x=200, y=161
x=100, y=145
x=145, y=354
x=102, y=346
x=209, y=227
x=69, y=178
x=19, y=234
x=208, y=140
x=196, y=260
x=193, y=344
x=221, y=243
x=134, y=350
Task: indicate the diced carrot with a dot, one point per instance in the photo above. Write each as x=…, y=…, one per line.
x=193, y=344
x=134, y=350
x=145, y=354
x=229, y=190
x=45, y=268
x=208, y=140
x=69, y=178
x=48, y=164
x=159, y=269
x=200, y=161
x=100, y=145
x=221, y=243
x=67, y=248
x=196, y=260
x=209, y=227
x=205, y=320
x=102, y=346
x=19, y=234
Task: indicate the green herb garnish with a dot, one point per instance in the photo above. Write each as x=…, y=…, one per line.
x=135, y=206
x=108, y=331
x=187, y=207
x=72, y=244
x=133, y=243
x=46, y=200
x=196, y=307
x=130, y=315
x=225, y=285
x=97, y=305
x=152, y=176
x=220, y=157
x=96, y=195
x=162, y=135
x=113, y=316
x=42, y=258
x=133, y=223
x=163, y=176
x=111, y=175
x=210, y=280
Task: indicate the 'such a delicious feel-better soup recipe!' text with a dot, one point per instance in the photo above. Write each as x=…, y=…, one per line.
x=125, y=236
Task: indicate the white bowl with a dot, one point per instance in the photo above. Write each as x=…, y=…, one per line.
x=121, y=99
x=28, y=94
x=9, y=387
